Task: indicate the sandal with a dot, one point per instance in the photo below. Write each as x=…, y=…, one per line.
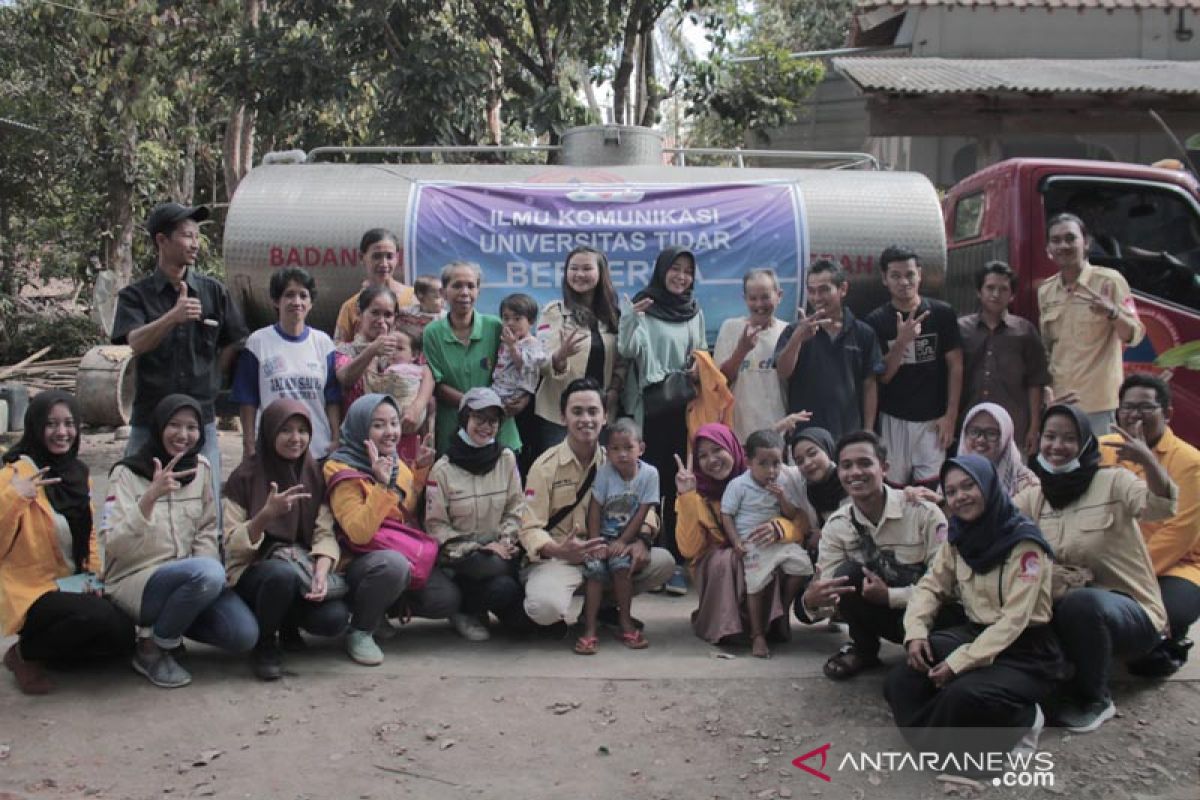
x=847, y=663
x=634, y=640
x=587, y=645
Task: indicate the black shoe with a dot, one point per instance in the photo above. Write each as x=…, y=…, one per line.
x=1158, y=663
x=558, y=631
x=267, y=660
x=608, y=615
x=291, y=641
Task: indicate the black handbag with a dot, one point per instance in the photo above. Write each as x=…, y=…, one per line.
x=884, y=562
x=674, y=392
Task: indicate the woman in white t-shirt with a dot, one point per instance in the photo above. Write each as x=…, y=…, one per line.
x=289, y=360
x=745, y=353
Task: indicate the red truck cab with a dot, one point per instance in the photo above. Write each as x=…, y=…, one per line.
x=1144, y=222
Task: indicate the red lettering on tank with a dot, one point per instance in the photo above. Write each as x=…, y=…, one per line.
x=330, y=258
x=864, y=264
x=276, y=256
x=293, y=259
x=312, y=256
x=349, y=257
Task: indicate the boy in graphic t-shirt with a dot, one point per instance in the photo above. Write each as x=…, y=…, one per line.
x=921, y=385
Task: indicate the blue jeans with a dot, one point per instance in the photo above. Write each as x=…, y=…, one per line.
x=188, y=598
x=1094, y=625
x=140, y=434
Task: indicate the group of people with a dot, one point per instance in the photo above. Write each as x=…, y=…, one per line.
x=434, y=460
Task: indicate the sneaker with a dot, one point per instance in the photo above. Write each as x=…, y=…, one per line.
x=1029, y=742
x=267, y=660
x=1087, y=718
x=386, y=631
x=361, y=646
x=31, y=678
x=469, y=627
x=1158, y=663
x=677, y=585
x=160, y=668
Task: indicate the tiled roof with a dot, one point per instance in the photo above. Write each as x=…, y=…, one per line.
x=1036, y=75
x=1108, y=5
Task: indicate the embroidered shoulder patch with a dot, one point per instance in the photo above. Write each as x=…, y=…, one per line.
x=1031, y=567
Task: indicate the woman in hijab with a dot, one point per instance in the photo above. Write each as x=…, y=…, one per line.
x=279, y=542
x=373, y=495
x=473, y=507
x=162, y=563
x=813, y=454
x=48, y=551
x=987, y=430
x=974, y=688
x=656, y=334
x=1089, y=515
x=716, y=459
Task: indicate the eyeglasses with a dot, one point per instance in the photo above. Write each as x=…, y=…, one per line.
x=485, y=419
x=991, y=435
x=1139, y=408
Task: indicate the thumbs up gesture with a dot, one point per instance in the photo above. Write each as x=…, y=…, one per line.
x=187, y=309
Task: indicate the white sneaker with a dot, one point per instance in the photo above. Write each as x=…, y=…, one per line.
x=360, y=645
x=469, y=627
x=1029, y=742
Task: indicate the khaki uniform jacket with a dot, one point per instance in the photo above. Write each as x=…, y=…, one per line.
x=1099, y=531
x=553, y=483
x=183, y=525
x=464, y=512
x=240, y=552
x=552, y=321
x=1085, y=351
x=1006, y=599
x=913, y=531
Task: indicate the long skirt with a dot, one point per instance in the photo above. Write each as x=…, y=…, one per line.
x=722, y=614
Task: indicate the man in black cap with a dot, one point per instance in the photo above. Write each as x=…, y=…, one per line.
x=183, y=327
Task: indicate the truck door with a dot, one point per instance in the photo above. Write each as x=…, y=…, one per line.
x=1150, y=233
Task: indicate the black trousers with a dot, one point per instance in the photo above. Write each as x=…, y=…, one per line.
x=64, y=626
x=984, y=710
x=868, y=623
x=1182, y=599
x=275, y=593
x=488, y=582
x=665, y=435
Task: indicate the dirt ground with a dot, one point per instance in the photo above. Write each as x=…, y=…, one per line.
x=528, y=719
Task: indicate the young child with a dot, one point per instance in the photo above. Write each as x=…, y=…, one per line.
x=624, y=491
x=428, y=292
x=749, y=507
x=401, y=376
x=522, y=355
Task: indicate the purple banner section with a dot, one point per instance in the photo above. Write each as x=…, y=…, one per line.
x=520, y=235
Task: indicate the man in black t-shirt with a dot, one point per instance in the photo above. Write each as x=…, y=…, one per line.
x=921, y=384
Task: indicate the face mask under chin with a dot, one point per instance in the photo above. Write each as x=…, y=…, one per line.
x=1070, y=466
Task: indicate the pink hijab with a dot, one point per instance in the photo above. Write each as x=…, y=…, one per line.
x=1010, y=469
x=723, y=437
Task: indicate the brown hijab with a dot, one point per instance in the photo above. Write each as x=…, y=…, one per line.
x=250, y=484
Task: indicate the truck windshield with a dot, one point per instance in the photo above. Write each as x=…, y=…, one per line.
x=1149, y=232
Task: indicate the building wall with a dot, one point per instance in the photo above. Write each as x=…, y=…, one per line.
x=836, y=117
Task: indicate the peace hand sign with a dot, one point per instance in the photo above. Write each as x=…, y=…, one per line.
x=807, y=327
x=1097, y=303
x=685, y=479
x=425, y=453
x=28, y=487
x=381, y=466
x=165, y=479
x=909, y=329
x=1133, y=446
x=279, y=503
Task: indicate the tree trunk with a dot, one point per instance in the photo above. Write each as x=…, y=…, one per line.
x=625, y=67
x=495, y=94
x=185, y=189
x=118, y=248
x=653, y=96
x=238, y=152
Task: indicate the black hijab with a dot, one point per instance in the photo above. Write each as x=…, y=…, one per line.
x=827, y=495
x=141, y=463
x=1063, y=488
x=986, y=542
x=477, y=459
x=71, y=497
x=667, y=306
